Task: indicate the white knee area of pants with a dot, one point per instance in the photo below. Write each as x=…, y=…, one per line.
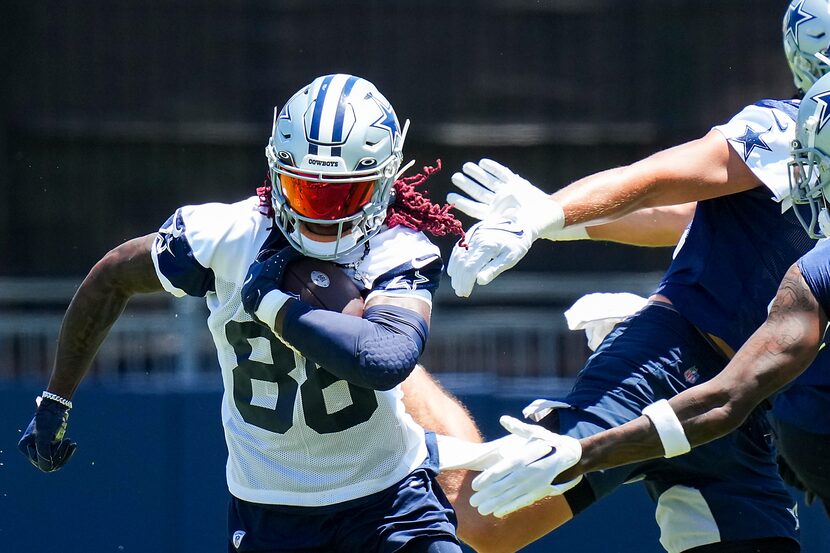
x=685, y=520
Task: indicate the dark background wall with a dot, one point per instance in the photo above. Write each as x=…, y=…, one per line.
x=112, y=114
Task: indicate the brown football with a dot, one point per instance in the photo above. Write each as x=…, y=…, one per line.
x=322, y=284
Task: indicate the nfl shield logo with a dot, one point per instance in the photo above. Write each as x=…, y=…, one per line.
x=237, y=538
x=691, y=375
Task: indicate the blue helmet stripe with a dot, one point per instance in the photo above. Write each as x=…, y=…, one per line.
x=337, y=133
x=314, y=131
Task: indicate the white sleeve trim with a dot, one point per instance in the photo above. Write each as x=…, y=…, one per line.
x=422, y=295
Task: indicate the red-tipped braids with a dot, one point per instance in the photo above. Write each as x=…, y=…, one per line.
x=410, y=208
x=413, y=209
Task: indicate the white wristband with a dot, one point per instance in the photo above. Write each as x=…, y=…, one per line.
x=668, y=427
x=270, y=306
x=573, y=232
x=546, y=217
x=54, y=397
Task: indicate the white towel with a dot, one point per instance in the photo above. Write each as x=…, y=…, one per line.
x=597, y=314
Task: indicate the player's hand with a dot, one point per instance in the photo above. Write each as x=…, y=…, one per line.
x=265, y=275
x=493, y=190
x=43, y=442
x=489, y=248
x=522, y=480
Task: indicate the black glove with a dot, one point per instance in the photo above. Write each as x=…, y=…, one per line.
x=43, y=442
x=264, y=275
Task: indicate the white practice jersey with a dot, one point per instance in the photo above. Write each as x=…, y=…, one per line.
x=296, y=434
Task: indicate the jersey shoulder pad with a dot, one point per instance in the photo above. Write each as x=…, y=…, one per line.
x=402, y=261
x=762, y=135
x=199, y=243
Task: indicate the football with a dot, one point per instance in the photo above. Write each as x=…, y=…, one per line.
x=322, y=284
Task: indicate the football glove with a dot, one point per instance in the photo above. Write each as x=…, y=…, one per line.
x=505, y=203
x=495, y=191
x=458, y=454
x=489, y=248
x=43, y=442
x=265, y=276
x=525, y=478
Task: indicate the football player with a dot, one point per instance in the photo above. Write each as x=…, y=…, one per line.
x=321, y=453
x=726, y=269
x=784, y=345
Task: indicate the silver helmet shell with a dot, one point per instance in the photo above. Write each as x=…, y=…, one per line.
x=806, y=29
x=334, y=153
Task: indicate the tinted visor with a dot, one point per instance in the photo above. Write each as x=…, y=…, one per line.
x=327, y=201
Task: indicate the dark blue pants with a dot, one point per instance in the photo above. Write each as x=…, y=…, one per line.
x=412, y=516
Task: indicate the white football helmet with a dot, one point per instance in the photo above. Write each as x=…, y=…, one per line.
x=809, y=167
x=334, y=154
x=806, y=40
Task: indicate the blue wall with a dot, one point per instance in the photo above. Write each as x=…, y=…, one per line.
x=149, y=476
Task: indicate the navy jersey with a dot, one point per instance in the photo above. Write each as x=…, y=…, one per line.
x=737, y=249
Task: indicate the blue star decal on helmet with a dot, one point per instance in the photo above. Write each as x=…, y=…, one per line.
x=752, y=139
x=387, y=120
x=823, y=114
x=795, y=17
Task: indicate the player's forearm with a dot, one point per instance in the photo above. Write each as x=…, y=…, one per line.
x=651, y=227
x=705, y=412
x=378, y=351
x=697, y=170
x=95, y=307
x=604, y=196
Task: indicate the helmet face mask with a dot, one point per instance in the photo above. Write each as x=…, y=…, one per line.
x=809, y=166
x=806, y=30
x=334, y=153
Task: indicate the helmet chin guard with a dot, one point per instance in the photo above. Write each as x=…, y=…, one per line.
x=809, y=167
x=335, y=150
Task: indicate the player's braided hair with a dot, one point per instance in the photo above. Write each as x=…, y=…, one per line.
x=410, y=208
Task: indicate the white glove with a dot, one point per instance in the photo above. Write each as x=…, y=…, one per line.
x=489, y=249
x=495, y=191
x=457, y=454
x=525, y=478
x=513, y=214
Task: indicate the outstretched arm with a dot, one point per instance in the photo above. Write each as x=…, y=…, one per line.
x=698, y=170
x=774, y=355
x=514, y=213
x=652, y=227
x=99, y=301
